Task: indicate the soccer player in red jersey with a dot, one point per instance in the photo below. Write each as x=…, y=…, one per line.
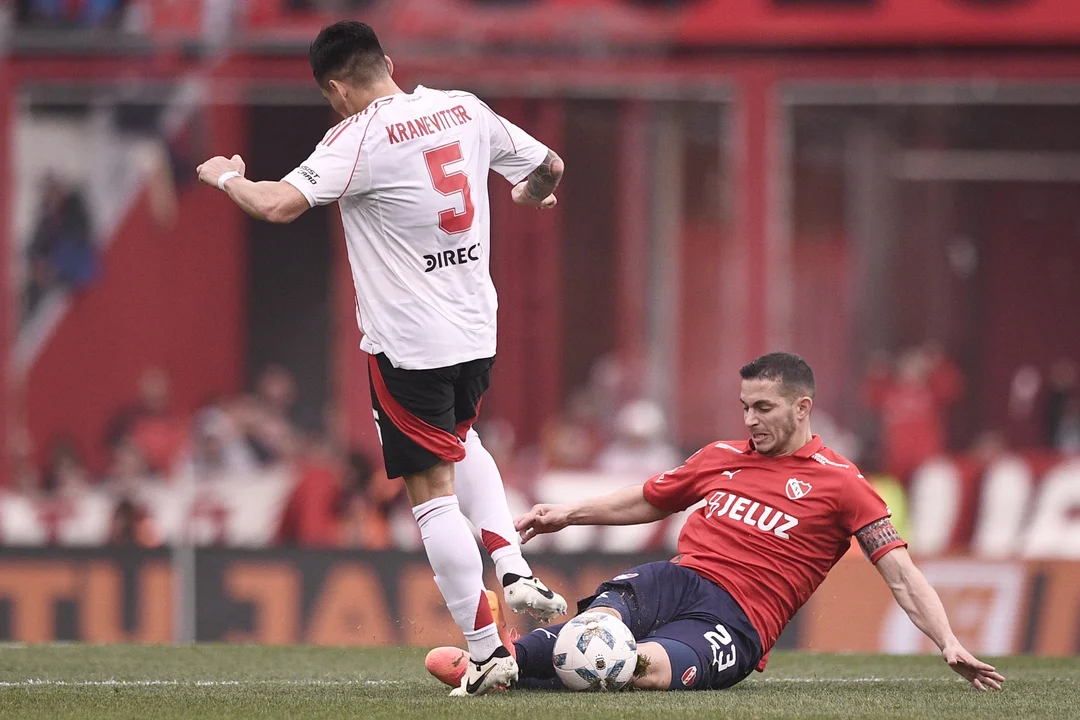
x=780, y=510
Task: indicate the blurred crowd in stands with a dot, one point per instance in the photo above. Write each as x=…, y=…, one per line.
x=339, y=499
x=61, y=253
x=342, y=498
x=71, y=14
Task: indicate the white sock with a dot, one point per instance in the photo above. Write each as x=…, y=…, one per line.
x=452, y=552
x=483, y=500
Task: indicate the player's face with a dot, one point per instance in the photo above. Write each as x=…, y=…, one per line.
x=770, y=417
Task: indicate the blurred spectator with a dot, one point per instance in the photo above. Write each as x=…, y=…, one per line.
x=310, y=517
x=66, y=481
x=63, y=14
x=62, y=252
x=614, y=382
x=912, y=402
x=639, y=448
x=568, y=442
x=1062, y=420
x=217, y=446
x=368, y=505
x=264, y=417
x=66, y=474
x=128, y=469
x=131, y=526
x=150, y=425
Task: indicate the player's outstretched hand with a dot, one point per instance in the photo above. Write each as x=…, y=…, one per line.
x=542, y=519
x=976, y=672
x=215, y=167
x=522, y=198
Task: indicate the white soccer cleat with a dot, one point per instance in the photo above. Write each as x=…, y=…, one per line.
x=498, y=672
x=532, y=596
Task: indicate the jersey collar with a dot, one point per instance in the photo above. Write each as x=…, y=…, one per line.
x=806, y=452
x=810, y=449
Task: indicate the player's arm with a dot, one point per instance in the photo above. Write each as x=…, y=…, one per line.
x=276, y=202
x=921, y=603
x=537, y=190
x=534, y=169
x=625, y=507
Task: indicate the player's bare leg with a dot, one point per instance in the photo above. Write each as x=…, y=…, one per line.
x=654, y=668
x=458, y=568
x=483, y=500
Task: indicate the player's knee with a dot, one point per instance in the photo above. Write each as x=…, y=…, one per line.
x=656, y=674
x=436, y=481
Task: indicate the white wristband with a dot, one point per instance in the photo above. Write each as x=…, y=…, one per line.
x=226, y=176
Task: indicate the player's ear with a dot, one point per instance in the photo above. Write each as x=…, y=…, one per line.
x=803, y=406
x=389, y=65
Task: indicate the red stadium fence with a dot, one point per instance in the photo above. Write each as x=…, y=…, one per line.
x=343, y=598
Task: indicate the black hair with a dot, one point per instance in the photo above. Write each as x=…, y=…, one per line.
x=790, y=371
x=347, y=50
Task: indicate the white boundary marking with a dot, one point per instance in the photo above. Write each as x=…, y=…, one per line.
x=853, y=679
x=43, y=682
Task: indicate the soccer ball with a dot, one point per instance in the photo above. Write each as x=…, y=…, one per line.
x=595, y=651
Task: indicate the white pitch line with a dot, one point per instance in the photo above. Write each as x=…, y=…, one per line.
x=851, y=679
x=873, y=679
x=39, y=682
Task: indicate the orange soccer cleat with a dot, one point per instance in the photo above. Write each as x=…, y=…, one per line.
x=449, y=664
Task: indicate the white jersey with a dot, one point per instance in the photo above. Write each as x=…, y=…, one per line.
x=410, y=175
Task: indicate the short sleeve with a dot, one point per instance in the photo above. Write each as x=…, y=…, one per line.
x=861, y=505
x=335, y=168
x=514, y=153
x=678, y=489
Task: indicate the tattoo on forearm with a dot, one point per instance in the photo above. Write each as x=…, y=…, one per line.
x=543, y=180
x=877, y=535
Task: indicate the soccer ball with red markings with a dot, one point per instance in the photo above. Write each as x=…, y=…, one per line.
x=595, y=651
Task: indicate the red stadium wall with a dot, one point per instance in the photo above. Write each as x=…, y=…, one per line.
x=162, y=291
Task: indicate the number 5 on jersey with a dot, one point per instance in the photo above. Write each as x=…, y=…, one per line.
x=450, y=220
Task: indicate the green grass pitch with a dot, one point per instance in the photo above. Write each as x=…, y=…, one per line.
x=217, y=681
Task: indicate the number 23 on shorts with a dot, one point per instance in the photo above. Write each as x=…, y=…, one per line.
x=722, y=649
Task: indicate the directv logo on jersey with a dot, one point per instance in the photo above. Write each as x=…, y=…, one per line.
x=744, y=510
x=446, y=258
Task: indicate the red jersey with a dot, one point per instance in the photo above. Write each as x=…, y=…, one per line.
x=772, y=527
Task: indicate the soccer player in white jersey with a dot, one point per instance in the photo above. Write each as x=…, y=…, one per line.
x=409, y=173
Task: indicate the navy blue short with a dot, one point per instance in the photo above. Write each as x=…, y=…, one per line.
x=708, y=638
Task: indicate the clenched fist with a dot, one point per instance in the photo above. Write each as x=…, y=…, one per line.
x=215, y=167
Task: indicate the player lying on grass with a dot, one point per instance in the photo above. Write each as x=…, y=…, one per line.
x=409, y=172
x=780, y=510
